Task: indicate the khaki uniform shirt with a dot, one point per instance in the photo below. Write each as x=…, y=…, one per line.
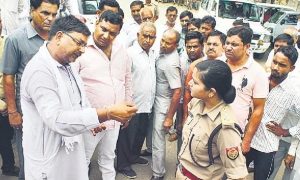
x=225, y=148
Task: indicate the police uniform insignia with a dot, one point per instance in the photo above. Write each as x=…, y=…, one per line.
x=232, y=153
x=227, y=116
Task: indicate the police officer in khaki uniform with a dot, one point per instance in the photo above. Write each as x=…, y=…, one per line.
x=211, y=139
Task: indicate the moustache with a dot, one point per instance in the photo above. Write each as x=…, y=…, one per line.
x=77, y=54
x=274, y=73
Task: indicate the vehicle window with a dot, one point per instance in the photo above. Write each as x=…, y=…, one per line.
x=204, y=4
x=214, y=6
x=276, y=17
x=234, y=9
x=291, y=19
x=269, y=13
x=89, y=6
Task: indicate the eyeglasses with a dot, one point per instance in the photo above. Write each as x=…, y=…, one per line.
x=81, y=44
x=147, y=19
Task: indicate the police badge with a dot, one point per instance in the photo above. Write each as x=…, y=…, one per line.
x=232, y=153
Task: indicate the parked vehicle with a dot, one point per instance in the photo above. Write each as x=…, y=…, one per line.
x=280, y=20
x=227, y=11
x=268, y=10
x=88, y=9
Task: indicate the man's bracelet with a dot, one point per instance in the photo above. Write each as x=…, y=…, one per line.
x=13, y=112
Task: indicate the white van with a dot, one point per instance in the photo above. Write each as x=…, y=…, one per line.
x=227, y=11
x=88, y=9
x=280, y=20
x=268, y=10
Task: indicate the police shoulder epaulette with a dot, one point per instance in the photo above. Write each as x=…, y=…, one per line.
x=227, y=117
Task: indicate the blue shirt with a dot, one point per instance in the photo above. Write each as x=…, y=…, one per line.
x=19, y=48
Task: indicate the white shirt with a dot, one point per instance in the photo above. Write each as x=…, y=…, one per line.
x=25, y=14
x=11, y=14
x=290, y=120
x=143, y=77
x=129, y=32
x=162, y=28
x=294, y=150
x=281, y=99
x=72, y=6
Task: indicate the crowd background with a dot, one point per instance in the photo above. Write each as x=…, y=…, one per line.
x=170, y=161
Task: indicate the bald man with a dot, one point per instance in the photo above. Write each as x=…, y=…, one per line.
x=131, y=139
x=147, y=15
x=168, y=90
x=153, y=7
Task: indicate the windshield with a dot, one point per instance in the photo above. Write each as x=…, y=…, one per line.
x=276, y=17
x=235, y=9
x=89, y=6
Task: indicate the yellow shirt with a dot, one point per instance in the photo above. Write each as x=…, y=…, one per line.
x=226, y=148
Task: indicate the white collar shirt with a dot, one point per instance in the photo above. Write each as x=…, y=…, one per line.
x=129, y=32
x=282, y=99
x=143, y=77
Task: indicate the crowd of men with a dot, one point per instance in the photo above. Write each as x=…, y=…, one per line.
x=128, y=82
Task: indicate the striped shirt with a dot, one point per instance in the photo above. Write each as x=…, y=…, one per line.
x=282, y=99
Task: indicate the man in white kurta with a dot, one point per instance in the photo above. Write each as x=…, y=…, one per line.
x=45, y=122
x=55, y=110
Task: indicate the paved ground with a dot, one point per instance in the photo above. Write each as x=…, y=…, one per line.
x=144, y=172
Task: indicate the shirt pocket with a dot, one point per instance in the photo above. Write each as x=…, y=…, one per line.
x=198, y=148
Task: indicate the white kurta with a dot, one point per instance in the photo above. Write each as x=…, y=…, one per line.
x=55, y=113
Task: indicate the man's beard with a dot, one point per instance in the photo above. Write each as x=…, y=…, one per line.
x=278, y=77
x=184, y=30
